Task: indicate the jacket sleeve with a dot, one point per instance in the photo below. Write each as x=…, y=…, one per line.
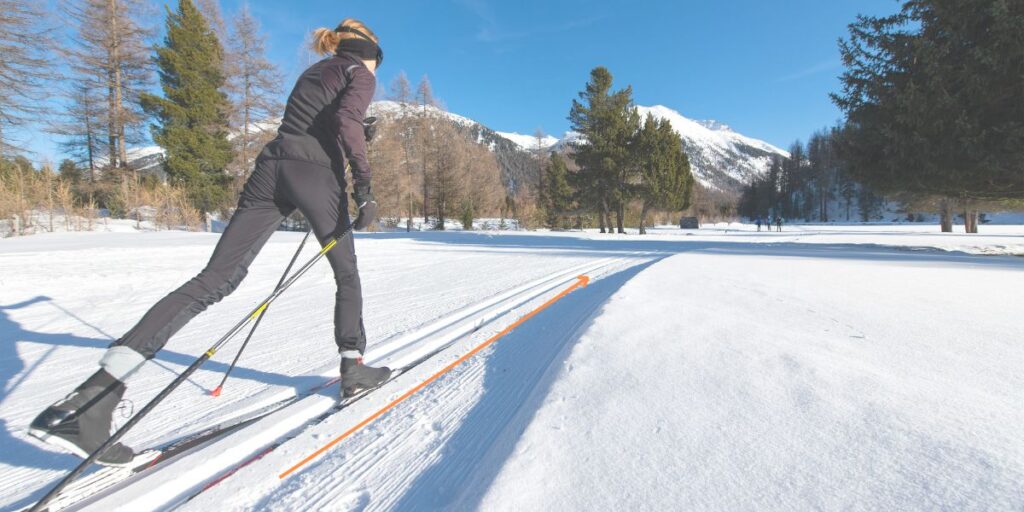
x=348, y=120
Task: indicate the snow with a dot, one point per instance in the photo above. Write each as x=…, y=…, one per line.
x=397, y=109
x=762, y=388
x=715, y=149
x=859, y=367
x=529, y=142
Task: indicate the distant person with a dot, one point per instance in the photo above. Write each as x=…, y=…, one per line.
x=758, y=223
x=778, y=223
x=303, y=168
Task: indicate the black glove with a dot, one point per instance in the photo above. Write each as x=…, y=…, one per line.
x=367, y=207
x=370, y=128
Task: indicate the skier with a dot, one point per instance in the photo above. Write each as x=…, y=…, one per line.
x=321, y=134
x=759, y=223
x=778, y=223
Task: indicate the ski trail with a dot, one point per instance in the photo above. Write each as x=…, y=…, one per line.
x=182, y=477
x=458, y=429
x=289, y=352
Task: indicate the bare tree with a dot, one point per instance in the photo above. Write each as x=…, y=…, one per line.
x=110, y=49
x=23, y=67
x=80, y=125
x=211, y=11
x=400, y=90
x=256, y=86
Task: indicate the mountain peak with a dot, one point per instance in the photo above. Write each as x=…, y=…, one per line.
x=719, y=157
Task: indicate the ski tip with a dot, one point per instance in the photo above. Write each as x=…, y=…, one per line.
x=216, y=391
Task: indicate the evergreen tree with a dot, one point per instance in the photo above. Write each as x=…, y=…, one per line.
x=557, y=192
x=933, y=100
x=192, y=121
x=665, y=180
x=607, y=123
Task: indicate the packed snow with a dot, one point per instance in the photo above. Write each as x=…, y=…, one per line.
x=855, y=367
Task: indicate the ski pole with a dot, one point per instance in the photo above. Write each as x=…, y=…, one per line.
x=217, y=390
x=185, y=374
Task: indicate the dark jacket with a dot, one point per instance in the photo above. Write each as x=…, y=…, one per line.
x=323, y=121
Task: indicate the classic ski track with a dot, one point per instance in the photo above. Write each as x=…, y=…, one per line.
x=404, y=346
x=271, y=401
x=419, y=429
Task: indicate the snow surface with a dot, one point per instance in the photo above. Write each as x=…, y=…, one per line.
x=824, y=367
x=398, y=110
x=529, y=142
x=715, y=149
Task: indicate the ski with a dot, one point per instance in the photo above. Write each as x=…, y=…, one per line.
x=152, y=459
x=319, y=419
x=146, y=460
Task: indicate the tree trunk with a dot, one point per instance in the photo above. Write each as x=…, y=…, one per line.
x=945, y=216
x=619, y=213
x=970, y=218
x=643, y=218
x=426, y=208
x=602, y=213
x=440, y=214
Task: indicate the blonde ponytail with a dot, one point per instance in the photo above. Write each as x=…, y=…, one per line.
x=325, y=40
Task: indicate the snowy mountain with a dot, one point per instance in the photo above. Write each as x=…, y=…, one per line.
x=529, y=142
x=517, y=164
x=719, y=157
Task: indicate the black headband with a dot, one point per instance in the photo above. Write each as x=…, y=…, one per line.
x=364, y=48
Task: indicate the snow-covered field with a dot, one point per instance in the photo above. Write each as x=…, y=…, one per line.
x=822, y=368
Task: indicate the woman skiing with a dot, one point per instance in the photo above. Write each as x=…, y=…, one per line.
x=321, y=134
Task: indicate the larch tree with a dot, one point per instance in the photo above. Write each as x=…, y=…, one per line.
x=400, y=90
x=256, y=86
x=425, y=99
x=191, y=117
x=81, y=125
x=23, y=70
x=110, y=49
x=405, y=129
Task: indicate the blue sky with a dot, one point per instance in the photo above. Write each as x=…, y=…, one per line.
x=764, y=68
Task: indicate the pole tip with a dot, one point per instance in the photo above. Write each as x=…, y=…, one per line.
x=215, y=392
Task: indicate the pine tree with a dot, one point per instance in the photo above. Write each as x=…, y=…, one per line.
x=607, y=122
x=558, y=194
x=664, y=176
x=23, y=68
x=933, y=101
x=192, y=122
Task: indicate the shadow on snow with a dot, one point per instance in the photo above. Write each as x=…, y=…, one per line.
x=519, y=372
x=21, y=453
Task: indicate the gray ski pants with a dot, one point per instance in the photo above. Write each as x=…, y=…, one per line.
x=275, y=189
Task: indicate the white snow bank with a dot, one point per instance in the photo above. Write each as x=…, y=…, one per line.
x=714, y=382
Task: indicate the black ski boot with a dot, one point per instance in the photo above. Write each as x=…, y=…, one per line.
x=357, y=377
x=81, y=422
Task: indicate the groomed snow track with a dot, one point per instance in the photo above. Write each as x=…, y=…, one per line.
x=433, y=344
